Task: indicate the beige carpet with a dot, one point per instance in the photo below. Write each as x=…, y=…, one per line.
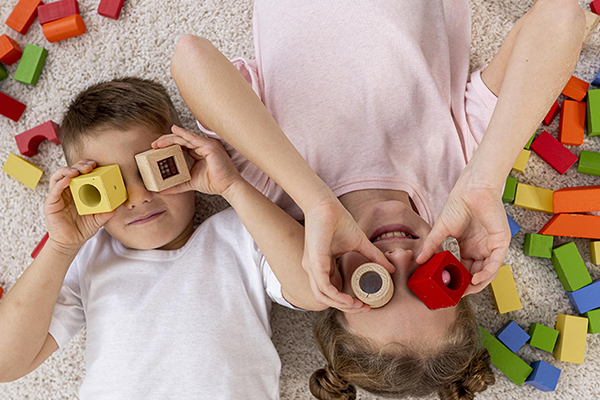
x=141, y=43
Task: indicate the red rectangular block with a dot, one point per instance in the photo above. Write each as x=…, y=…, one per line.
x=572, y=123
x=40, y=246
x=554, y=110
x=573, y=225
x=595, y=6
x=553, y=152
x=110, y=8
x=57, y=10
x=579, y=199
x=29, y=141
x=576, y=88
x=10, y=107
x=23, y=15
x=10, y=51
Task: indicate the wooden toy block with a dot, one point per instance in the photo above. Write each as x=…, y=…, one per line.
x=64, y=28
x=508, y=362
x=542, y=337
x=10, y=107
x=596, y=81
x=594, y=320
x=30, y=140
x=110, y=8
x=162, y=168
x=595, y=6
x=577, y=199
x=426, y=282
x=513, y=336
x=514, y=227
x=31, y=64
x=373, y=285
x=521, y=162
x=593, y=112
x=586, y=299
x=3, y=73
x=100, y=191
x=553, y=152
x=23, y=15
x=504, y=291
x=589, y=163
x=528, y=145
x=595, y=252
x=1, y=292
x=544, y=376
x=10, y=51
x=570, y=267
x=576, y=89
x=571, y=127
x=570, y=346
x=510, y=189
x=533, y=198
x=40, y=246
x=22, y=170
x=537, y=245
x=554, y=110
x=573, y=225
x=57, y=10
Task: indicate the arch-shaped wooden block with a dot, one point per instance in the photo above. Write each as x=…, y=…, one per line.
x=30, y=140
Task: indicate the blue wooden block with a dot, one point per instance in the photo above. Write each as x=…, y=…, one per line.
x=513, y=336
x=587, y=298
x=514, y=227
x=544, y=376
x=596, y=81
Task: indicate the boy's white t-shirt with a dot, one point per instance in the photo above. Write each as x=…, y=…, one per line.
x=191, y=323
x=374, y=94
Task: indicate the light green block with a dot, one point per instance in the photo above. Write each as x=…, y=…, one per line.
x=508, y=362
x=542, y=337
x=594, y=318
x=31, y=64
x=570, y=267
x=589, y=163
x=528, y=145
x=3, y=74
x=537, y=245
x=593, y=112
x=510, y=190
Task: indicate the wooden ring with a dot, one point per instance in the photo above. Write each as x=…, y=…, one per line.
x=373, y=285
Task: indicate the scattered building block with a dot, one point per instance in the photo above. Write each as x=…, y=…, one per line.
x=528, y=145
x=569, y=266
x=100, y=191
x=10, y=107
x=22, y=170
x=521, y=162
x=573, y=225
x=544, y=376
x=594, y=320
x=508, y=362
x=10, y=51
x=570, y=346
x=571, y=127
x=554, y=110
x=510, y=189
x=29, y=141
x=553, y=152
x=577, y=199
x=542, y=337
x=576, y=88
x=589, y=163
x=372, y=284
x=57, y=10
x=23, y=15
x=504, y=291
x=513, y=336
x=533, y=198
x=591, y=22
x=1, y=292
x=595, y=252
x=3, y=73
x=595, y=7
x=110, y=8
x=593, y=112
x=64, y=28
x=514, y=227
x=162, y=168
x=537, y=245
x=40, y=246
x=586, y=299
x=426, y=282
x=31, y=64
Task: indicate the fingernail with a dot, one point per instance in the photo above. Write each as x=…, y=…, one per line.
x=73, y=169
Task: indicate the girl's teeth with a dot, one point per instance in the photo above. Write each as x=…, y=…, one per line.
x=390, y=234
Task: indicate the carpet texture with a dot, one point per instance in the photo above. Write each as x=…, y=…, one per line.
x=141, y=43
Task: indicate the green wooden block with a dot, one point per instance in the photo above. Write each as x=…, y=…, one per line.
x=593, y=112
x=31, y=64
x=528, y=145
x=594, y=318
x=589, y=163
x=510, y=190
x=542, y=337
x=508, y=362
x=570, y=267
x=537, y=245
x=3, y=74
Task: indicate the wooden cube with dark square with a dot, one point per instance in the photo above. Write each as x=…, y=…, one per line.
x=162, y=168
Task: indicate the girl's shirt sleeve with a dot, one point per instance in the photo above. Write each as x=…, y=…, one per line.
x=480, y=102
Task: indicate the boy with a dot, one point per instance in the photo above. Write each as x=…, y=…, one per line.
x=171, y=311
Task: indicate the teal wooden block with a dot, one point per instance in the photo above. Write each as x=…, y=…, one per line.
x=593, y=112
x=589, y=163
x=31, y=64
x=528, y=145
x=508, y=362
x=538, y=245
x=570, y=267
x=542, y=337
x=510, y=190
x=3, y=73
x=594, y=320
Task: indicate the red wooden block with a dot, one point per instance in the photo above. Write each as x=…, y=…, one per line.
x=426, y=282
x=57, y=10
x=573, y=225
x=576, y=88
x=40, y=246
x=595, y=6
x=572, y=123
x=554, y=110
x=10, y=52
x=1, y=292
x=29, y=141
x=110, y=8
x=553, y=152
x=23, y=15
x=10, y=107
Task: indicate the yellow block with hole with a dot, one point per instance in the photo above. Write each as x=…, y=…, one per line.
x=504, y=291
x=572, y=336
x=595, y=252
x=534, y=198
x=521, y=163
x=100, y=191
x=22, y=170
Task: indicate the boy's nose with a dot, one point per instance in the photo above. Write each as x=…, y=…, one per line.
x=137, y=194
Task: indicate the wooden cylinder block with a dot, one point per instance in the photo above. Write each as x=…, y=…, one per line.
x=373, y=285
x=64, y=28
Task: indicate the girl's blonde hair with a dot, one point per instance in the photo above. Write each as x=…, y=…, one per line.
x=456, y=369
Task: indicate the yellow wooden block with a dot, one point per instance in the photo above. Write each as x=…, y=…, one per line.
x=504, y=291
x=534, y=198
x=595, y=252
x=570, y=346
x=100, y=191
x=521, y=163
x=22, y=170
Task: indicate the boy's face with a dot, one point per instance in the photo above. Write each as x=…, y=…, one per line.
x=147, y=220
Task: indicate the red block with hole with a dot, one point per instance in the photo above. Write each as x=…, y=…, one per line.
x=10, y=51
x=40, y=246
x=30, y=140
x=57, y=10
x=554, y=110
x=426, y=282
x=553, y=152
x=10, y=107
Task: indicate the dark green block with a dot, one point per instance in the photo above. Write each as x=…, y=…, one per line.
x=508, y=362
x=542, y=337
x=510, y=189
x=528, y=145
x=593, y=112
x=537, y=245
x=594, y=320
x=3, y=74
x=570, y=267
x=31, y=64
x=589, y=163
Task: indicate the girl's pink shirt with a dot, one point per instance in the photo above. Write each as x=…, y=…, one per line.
x=374, y=94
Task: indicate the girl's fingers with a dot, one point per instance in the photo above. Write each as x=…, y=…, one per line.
x=374, y=254
x=435, y=237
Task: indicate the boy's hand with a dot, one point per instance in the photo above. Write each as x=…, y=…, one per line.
x=67, y=229
x=213, y=171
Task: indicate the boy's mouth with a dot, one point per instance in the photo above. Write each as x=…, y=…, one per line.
x=392, y=231
x=146, y=218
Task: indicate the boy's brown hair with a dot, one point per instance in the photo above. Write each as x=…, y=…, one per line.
x=119, y=104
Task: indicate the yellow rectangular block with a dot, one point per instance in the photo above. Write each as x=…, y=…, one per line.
x=100, y=191
x=572, y=336
x=521, y=163
x=504, y=291
x=534, y=198
x=595, y=252
x=22, y=170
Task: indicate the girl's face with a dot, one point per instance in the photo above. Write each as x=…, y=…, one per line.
x=405, y=318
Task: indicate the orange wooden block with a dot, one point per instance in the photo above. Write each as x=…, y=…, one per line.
x=572, y=123
x=573, y=225
x=64, y=28
x=578, y=199
x=576, y=88
x=10, y=52
x=23, y=15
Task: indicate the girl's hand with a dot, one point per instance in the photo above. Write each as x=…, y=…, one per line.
x=68, y=230
x=212, y=172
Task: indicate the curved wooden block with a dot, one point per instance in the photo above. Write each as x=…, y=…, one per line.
x=30, y=140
